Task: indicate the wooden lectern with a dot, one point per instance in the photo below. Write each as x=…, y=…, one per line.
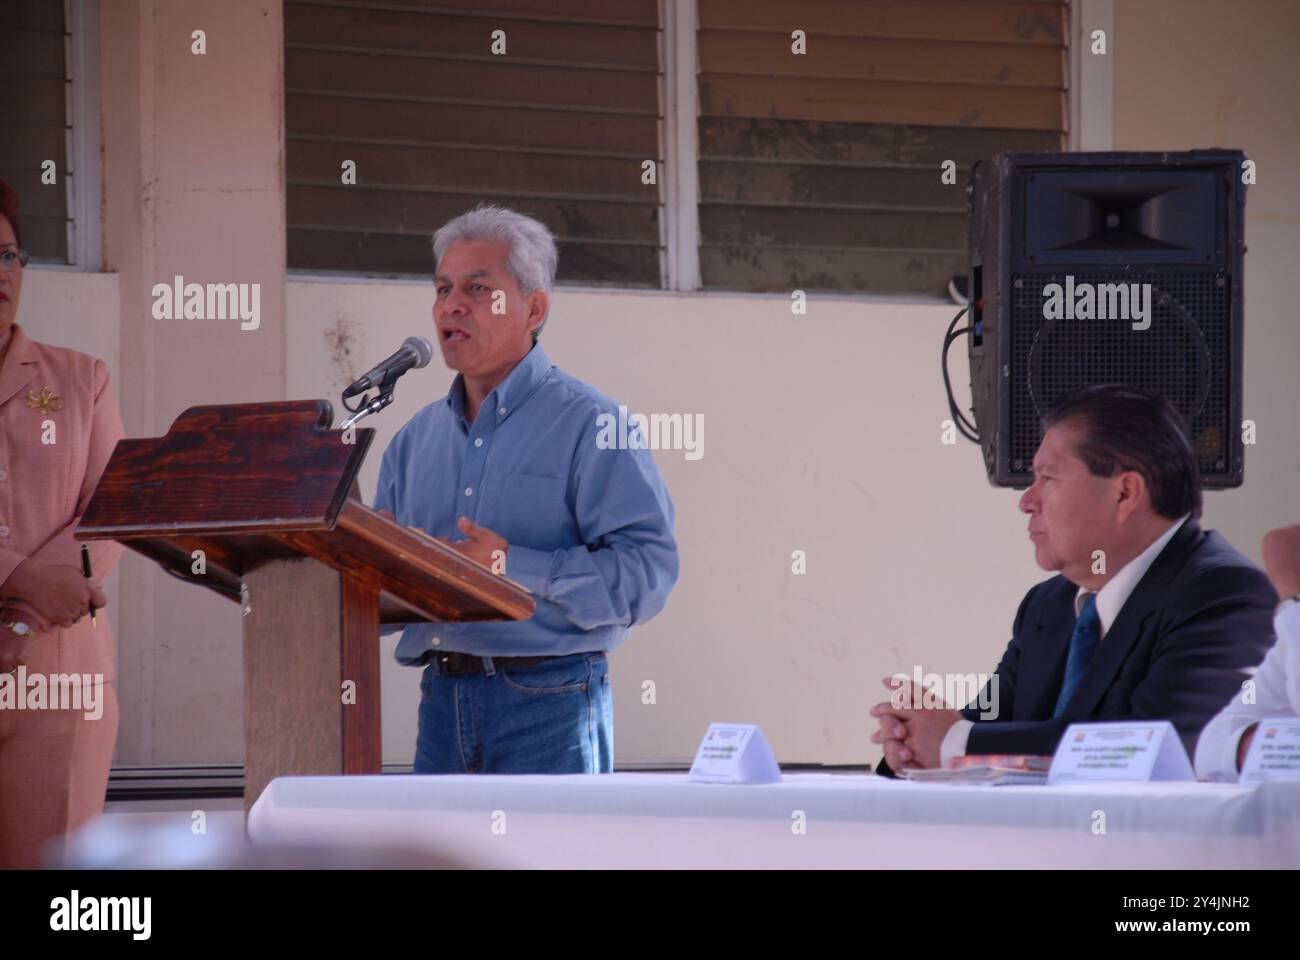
x=259, y=502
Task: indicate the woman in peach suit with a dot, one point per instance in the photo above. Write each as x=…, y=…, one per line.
x=59, y=423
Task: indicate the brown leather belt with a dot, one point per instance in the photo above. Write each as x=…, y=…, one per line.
x=455, y=664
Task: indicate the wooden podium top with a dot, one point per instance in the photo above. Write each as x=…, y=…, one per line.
x=248, y=483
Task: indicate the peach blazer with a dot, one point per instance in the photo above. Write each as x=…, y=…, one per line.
x=53, y=394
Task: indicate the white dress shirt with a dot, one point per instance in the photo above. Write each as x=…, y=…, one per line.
x=1276, y=694
x=1110, y=600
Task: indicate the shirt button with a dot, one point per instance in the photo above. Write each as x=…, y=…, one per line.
x=478, y=442
x=4, y=533
x=469, y=491
x=501, y=410
x=436, y=641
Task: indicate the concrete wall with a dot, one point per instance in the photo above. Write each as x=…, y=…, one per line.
x=822, y=432
x=193, y=186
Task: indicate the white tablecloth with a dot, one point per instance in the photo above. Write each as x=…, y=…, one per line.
x=660, y=820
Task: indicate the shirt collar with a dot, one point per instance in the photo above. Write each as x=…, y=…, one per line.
x=510, y=393
x=1113, y=595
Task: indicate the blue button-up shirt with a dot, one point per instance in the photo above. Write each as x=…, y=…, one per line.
x=590, y=529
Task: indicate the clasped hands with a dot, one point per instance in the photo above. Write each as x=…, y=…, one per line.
x=911, y=737
x=44, y=596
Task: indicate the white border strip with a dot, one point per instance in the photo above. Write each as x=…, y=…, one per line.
x=680, y=177
x=85, y=234
x=1092, y=84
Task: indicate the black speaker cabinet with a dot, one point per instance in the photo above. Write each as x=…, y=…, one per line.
x=1064, y=251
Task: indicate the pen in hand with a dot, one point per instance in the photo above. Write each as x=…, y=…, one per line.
x=85, y=569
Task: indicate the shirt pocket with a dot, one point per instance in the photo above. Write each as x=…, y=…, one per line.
x=533, y=510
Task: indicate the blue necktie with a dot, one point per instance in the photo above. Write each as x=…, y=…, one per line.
x=1083, y=644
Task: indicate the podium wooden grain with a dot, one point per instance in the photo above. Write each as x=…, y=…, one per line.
x=259, y=502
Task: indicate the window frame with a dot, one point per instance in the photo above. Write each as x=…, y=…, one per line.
x=1089, y=127
x=82, y=143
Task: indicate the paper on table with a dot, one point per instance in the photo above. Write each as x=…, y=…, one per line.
x=734, y=753
x=1133, y=750
x=1274, y=752
x=991, y=776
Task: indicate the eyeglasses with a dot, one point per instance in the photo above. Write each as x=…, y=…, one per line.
x=13, y=259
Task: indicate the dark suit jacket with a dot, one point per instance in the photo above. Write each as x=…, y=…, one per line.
x=1200, y=616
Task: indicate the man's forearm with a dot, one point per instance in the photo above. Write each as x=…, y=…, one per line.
x=616, y=585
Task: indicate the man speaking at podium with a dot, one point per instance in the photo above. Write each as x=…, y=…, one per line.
x=507, y=469
x=1150, y=617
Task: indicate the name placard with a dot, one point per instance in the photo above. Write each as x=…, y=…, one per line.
x=1274, y=754
x=734, y=753
x=1131, y=750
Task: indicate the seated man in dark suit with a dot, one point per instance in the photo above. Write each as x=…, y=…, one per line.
x=1150, y=617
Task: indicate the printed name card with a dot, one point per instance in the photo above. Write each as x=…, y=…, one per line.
x=734, y=753
x=1138, y=750
x=1274, y=753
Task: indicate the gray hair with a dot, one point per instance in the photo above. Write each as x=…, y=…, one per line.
x=533, y=256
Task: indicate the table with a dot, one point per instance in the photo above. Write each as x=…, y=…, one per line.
x=809, y=820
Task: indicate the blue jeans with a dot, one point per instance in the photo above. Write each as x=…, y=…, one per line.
x=557, y=717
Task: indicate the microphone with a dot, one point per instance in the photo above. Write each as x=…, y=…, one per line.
x=414, y=352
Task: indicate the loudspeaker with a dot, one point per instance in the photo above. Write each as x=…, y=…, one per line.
x=1065, y=249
